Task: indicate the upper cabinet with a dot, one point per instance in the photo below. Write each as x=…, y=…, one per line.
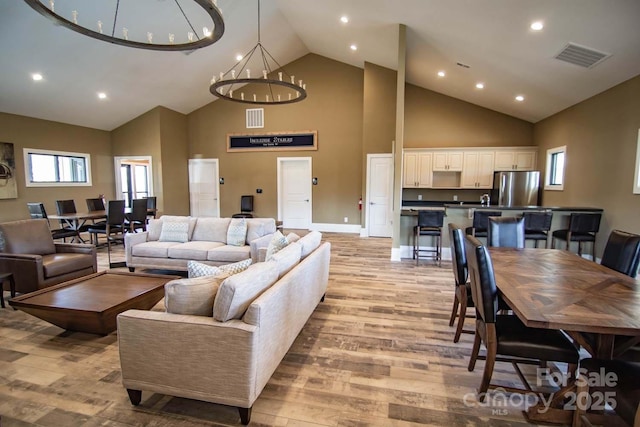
x=516, y=160
x=417, y=169
x=447, y=161
x=477, y=169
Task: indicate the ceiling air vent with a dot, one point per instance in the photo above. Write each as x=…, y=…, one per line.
x=581, y=55
x=255, y=118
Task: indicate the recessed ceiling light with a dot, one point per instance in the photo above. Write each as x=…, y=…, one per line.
x=537, y=26
x=36, y=76
x=480, y=85
x=519, y=98
x=353, y=47
x=344, y=19
x=239, y=57
x=441, y=74
x=102, y=95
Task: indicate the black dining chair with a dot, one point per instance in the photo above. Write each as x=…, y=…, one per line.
x=481, y=222
x=114, y=226
x=152, y=208
x=505, y=336
x=583, y=227
x=462, y=298
x=37, y=211
x=246, y=207
x=505, y=232
x=537, y=225
x=137, y=219
x=622, y=384
x=430, y=223
x=622, y=252
x=96, y=204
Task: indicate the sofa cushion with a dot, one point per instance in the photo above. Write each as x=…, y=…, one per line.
x=211, y=230
x=55, y=265
x=228, y=253
x=154, y=228
x=310, y=242
x=237, y=232
x=175, y=230
x=192, y=296
x=153, y=249
x=287, y=258
x=192, y=250
x=198, y=269
x=277, y=243
x=237, y=292
x=258, y=227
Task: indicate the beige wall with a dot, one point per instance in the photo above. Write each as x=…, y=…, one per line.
x=436, y=120
x=601, y=135
x=26, y=132
x=333, y=108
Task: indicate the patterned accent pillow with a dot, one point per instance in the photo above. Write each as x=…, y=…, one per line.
x=236, y=267
x=237, y=232
x=198, y=269
x=277, y=243
x=175, y=231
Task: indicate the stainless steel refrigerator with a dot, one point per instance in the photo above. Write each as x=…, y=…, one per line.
x=515, y=188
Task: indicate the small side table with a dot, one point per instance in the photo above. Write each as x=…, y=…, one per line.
x=12, y=286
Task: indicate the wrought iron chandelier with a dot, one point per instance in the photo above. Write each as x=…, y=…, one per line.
x=282, y=89
x=125, y=31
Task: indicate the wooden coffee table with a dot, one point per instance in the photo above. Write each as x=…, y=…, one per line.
x=91, y=303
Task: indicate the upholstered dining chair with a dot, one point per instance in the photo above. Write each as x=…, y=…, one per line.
x=96, y=204
x=537, y=225
x=622, y=252
x=505, y=336
x=69, y=207
x=430, y=223
x=462, y=298
x=246, y=207
x=137, y=219
x=481, y=222
x=505, y=232
x=583, y=227
x=623, y=386
x=152, y=208
x=114, y=227
x=37, y=211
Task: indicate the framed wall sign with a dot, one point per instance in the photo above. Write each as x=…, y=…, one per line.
x=274, y=141
x=8, y=186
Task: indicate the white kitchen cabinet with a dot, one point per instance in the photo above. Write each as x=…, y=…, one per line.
x=447, y=161
x=515, y=160
x=417, y=169
x=477, y=169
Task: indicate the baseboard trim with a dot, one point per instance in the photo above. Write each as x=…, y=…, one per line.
x=336, y=228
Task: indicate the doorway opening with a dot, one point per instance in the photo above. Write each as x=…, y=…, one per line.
x=134, y=178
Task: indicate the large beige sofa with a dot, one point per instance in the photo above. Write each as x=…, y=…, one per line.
x=227, y=362
x=207, y=243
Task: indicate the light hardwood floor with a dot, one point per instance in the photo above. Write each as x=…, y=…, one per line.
x=377, y=352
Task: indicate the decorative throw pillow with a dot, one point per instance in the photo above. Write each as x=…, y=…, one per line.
x=192, y=296
x=277, y=243
x=198, y=269
x=237, y=232
x=236, y=267
x=154, y=228
x=292, y=237
x=175, y=230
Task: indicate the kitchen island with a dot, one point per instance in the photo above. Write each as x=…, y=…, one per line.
x=461, y=214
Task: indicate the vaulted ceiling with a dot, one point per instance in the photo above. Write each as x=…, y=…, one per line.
x=472, y=41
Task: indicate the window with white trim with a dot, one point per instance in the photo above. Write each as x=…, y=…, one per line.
x=46, y=168
x=556, y=158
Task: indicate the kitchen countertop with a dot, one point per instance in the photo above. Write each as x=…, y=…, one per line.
x=522, y=208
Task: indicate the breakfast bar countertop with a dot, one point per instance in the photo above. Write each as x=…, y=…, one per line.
x=455, y=205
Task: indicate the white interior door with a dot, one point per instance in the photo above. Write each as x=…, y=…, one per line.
x=204, y=187
x=379, y=194
x=294, y=192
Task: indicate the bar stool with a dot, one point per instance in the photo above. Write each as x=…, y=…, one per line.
x=506, y=232
x=537, y=225
x=429, y=224
x=481, y=223
x=582, y=228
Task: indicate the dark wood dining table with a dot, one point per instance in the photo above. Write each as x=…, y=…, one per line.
x=78, y=219
x=557, y=289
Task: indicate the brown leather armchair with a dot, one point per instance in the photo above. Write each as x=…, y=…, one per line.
x=28, y=251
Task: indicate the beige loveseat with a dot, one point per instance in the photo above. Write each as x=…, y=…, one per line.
x=263, y=309
x=205, y=241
